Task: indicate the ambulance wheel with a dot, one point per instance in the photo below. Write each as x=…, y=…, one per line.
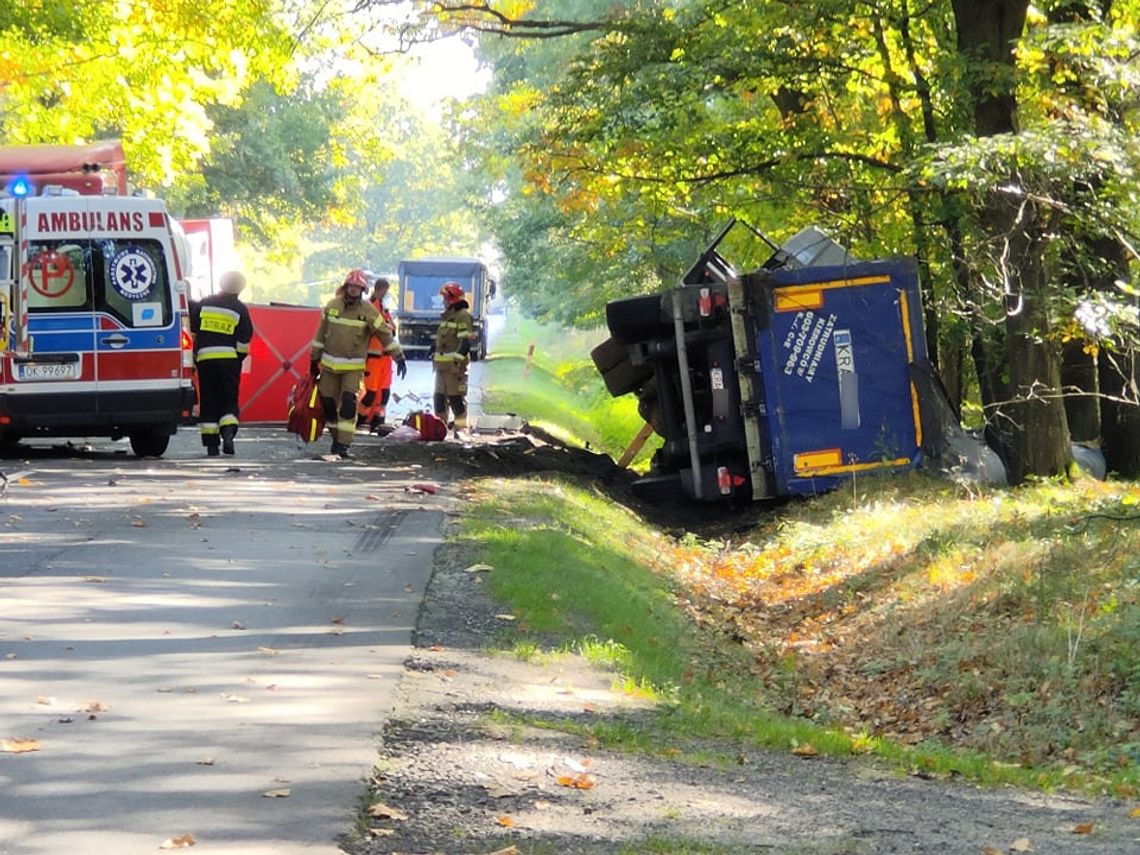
x=150, y=443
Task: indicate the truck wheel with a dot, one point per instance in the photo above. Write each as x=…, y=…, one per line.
x=150, y=443
x=634, y=319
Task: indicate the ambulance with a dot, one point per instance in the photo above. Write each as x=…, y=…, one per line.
x=95, y=334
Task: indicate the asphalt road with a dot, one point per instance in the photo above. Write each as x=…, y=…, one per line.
x=181, y=636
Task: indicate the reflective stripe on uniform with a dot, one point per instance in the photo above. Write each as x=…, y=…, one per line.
x=228, y=419
x=348, y=322
x=208, y=428
x=342, y=363
x=218, y=352
x=449, y=357
x=217, y=319
x=243, y=347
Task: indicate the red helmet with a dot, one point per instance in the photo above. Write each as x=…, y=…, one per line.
x=452, y=292
x=357, y=278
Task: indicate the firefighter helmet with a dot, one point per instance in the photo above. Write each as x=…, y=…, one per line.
x=452, y=292
x=356, y=277
x=231, y=282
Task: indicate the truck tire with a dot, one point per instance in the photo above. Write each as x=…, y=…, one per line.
x=150, y=443
x=635, y=319
x=608, y=354
x=619, y=374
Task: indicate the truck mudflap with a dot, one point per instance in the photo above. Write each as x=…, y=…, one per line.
x=780, y=382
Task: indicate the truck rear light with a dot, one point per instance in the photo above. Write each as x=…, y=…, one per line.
x=724, y=480
x=704, y=303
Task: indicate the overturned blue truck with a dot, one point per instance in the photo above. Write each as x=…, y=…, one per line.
x=783, y=381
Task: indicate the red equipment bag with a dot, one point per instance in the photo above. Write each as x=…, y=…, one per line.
x=306, y=415
x=431, y=427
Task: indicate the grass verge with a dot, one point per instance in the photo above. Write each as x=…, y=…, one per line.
x=559, y=391
x=958, y=636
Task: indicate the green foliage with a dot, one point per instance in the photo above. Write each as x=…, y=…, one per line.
x=143, y=71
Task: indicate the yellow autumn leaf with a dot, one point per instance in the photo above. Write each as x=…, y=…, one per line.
x=1083, y=828
x=1135, y=814
x=383, y=811
x=506, y=822
x=19, y=745
x=1022, y=844
x=180, y=842
x=575, y=782
x=805, y=749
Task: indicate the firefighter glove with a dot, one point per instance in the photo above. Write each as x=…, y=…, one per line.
x=314, y=368
x=401, y=368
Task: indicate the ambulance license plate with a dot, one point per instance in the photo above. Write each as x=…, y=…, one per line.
x=47, y=371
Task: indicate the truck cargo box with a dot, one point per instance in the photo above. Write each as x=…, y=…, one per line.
x=779, y=382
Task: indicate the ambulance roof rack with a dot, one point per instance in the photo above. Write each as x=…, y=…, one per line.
x=58, y=190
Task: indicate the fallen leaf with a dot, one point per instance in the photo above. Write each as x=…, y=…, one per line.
x=383, y=811
x=510, y=850
x=338, y=620
x=19, y=745
x=478, y=568
x=277, y=794
x=495, y=791
x=575, y=782
x=1083, y=828
x=237, y=625
x=381, y=832
x=96, y=706
x=45, y=700
x=1135, y=814
x=990, y=850
x=179, y=842
x=138, y=523
x=506, y=822
x=1022, y=844
x=268, y=651
x=95, y=580
x=805, y=749
x=408, y=589
x=542, y=804
x=505, y=617
x=435, y=648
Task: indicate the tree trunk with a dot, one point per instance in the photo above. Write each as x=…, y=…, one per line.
x=1120, y=414
x=1033, y=421
x=1081, y=386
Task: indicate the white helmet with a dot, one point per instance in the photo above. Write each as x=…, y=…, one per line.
x=232, y=283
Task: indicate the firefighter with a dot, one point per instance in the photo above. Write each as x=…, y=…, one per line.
x=377, y=387
x=449, y=357
x=338, y=355
x=222, y=332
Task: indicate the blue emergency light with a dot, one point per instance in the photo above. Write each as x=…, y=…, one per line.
x=20, y=187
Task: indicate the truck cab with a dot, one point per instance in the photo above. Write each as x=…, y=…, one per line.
x=420, y=305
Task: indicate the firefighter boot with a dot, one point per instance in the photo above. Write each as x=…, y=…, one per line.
x=212, y=448
x=228, y=432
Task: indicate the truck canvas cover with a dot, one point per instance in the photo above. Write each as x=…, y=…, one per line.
x=834, y=365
